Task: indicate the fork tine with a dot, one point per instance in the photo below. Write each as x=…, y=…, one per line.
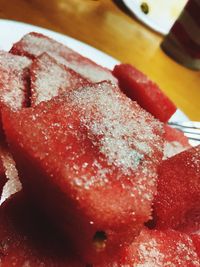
x=191, y=130
x=193, y=136
x=188, y=124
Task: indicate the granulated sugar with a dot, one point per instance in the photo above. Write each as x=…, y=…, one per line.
x=14, y=80
x=34, y=44
x=49, y=79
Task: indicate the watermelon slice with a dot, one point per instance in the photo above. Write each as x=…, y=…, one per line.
x=138, y=87
x=14, y=93
x=90, y=158
x=49, y=79
x=175, y=142
x=34, y=44
x=27, y=239
x=13, y=80
x=161, y=248
x=177, y=204
x=12, y=185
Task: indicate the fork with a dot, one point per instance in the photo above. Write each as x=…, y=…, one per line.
x=191, y=129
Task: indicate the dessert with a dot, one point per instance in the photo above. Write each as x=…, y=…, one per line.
x=90, y=155
x=14, y=94
x=161, y=249
x=34, y=44
x=49, y=79
x=88, y=158
x=138, y=87
x=176, y=204
x=14, y=80
x=12, y=185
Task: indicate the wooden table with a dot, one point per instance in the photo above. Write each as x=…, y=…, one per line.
x=108, y=26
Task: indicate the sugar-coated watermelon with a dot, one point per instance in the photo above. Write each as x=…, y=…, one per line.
x=13, y=184
x=177, y=203
x=49, y=79
x=161, y=249
x=13, y=80
x=90, y=157
x=138, y=87
x=14, y=85
x=34, y=44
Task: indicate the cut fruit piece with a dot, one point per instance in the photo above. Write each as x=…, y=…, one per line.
x=175, y=142
x=34, y=44
x=49, y=79
x=27, y=239
x=148, y=95
x=161, y=249
x=90, y=157
x=13, y=184
x=14, y=94
x=13, y=80
x=177, y=203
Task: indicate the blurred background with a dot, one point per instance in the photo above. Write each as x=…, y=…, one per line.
x=130, y=31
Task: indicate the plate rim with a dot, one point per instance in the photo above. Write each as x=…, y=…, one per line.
x=73, y=43
x=143, y=17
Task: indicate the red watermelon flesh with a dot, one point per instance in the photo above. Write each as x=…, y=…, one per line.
x=177, y=203
x=34, y=44
x=175, y=141
x=49, y=79
x=154, y=248
x=90, y=157
x=196, y=240
x=138, y=87
x=27, y=239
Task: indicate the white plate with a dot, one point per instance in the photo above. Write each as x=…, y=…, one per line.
x=162, y=13
x=12, y=31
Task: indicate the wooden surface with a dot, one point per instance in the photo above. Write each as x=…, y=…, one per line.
x=108, y=26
